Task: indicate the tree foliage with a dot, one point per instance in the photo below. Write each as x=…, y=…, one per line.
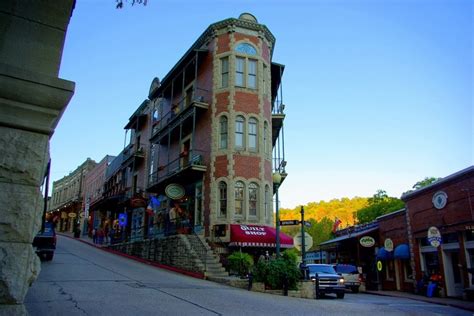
x=275, y=271
x=425, y=182
x=379, y=204
x=240, y=262
x=119, y=4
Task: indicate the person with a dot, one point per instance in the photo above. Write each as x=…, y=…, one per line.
x=173, y=214
x=94, y=236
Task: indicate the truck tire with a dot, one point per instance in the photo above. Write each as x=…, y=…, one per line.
x=355, y=289
x=340, y=295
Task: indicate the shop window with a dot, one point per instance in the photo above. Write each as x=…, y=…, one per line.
x=223, y=132
x=450, y=238
x=407, y=271
x=253, y=134
x=390, y=271
x=431, y=260
x=225, y=72
x=222, y=199
x=239, y=132
x=253, y=199
x=239, y=197
x=469, y=235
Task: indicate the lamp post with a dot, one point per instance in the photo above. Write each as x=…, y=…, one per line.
x=276, y=184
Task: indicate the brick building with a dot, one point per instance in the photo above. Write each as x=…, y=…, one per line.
x=441, y=231
x=217, y=132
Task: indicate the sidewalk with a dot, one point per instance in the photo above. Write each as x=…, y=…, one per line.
x=458, y=303
x=467, y=305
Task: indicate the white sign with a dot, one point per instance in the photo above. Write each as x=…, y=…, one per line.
x=434, y=236
x=367, y=241
x=388, y=244
x=440, y=199
x=308, y=241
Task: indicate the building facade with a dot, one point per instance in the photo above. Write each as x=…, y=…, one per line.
x=441, y=231
x=216, y=137
x=93, y=193
x=67, y=197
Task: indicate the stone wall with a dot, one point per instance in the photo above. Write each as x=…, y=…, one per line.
x=32, y=99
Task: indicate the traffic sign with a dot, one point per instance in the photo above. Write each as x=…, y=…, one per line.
x=307, y=224
x=289, y=222
x=308, y=241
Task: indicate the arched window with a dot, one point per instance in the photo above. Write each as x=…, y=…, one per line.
x=265, y=140
x=222, y=199
x=239, y=197
x=239, y=132
x=253, y=134
x=246, y=48
x=223, y=132
x=266, y=205
x=253, y=199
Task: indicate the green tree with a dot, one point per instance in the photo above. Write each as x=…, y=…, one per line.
x=379, y=204
x=240, y=262
x=425, y=182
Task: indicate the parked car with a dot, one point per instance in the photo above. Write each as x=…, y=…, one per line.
x=44, y=242
x=328, y=280
x=351, y=276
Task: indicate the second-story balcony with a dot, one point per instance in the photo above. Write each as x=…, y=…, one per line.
x=133, y=153
x=188, y=166
x=182, y=115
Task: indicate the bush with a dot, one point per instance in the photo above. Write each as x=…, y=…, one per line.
x=240, y=262
x=274, y=272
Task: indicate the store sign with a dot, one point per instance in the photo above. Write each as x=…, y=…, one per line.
x=388, y=244
x=122, y=219
x=72, y=215
x=440, y=199
x=174, y=191
x=379, y=265
x=434, y=236
x=367, y=241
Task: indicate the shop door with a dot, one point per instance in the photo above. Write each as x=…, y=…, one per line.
x=453, y=274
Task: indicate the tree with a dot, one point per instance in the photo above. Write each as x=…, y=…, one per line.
x=119, y=4
x=379, y=204
x=425, y=182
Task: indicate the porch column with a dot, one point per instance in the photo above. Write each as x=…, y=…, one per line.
x=32, y=99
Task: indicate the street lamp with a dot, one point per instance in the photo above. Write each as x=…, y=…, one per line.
x=276, y=184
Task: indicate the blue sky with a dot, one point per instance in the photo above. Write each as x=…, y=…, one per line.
x=378, y=94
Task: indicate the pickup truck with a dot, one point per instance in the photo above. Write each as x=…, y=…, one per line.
x=351, y=276
x=328, y=280
x=44, y=242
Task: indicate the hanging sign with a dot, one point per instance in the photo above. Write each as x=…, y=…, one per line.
x=174, y=191
x=379, y=265
x=367, y=241
x=388, y=244
x=434, y=236
x=72, y=215
x=122, y=219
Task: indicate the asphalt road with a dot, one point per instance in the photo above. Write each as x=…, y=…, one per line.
x=83, y=280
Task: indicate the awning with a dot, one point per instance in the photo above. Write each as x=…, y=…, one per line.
x=402, y=251
x=383, y=254
x=257, y=236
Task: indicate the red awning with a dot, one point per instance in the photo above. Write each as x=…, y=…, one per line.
x=257, y=236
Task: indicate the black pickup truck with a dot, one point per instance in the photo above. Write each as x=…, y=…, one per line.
x=45, y=242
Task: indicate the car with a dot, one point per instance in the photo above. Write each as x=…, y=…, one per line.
x=351, y=276
x=329, y=282
x=44, y=242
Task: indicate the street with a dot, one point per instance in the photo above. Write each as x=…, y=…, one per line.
x=83, y=280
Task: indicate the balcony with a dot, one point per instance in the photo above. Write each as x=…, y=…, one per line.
x=184, y=113
x=186, y=168
x=133, y=153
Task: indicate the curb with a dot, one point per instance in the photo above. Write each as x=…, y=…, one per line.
x=196, y=275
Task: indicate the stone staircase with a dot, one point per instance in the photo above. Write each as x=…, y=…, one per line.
x=209, y=261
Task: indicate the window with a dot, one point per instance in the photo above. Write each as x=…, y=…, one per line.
x=267, y=200
x=225, y=72
x=407, y=271
x=239, y=197
x=253, y=199
x=223, y=133
x=253, y=134
x=252, y=74
x=246, y=48
x=265, y=141
x=239, y=71
x=222, y=198
x=239, y=132
x=390, y=270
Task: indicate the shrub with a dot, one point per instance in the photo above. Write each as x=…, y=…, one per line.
x=240, y=262
x=274, y=272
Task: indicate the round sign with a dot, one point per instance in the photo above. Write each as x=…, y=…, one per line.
x=388, y=244
x=308, y=241
x=434, y=236
x=440, y=199
x=379, y=265
x=72, y=215
x=367, y=241
x=174, y=191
